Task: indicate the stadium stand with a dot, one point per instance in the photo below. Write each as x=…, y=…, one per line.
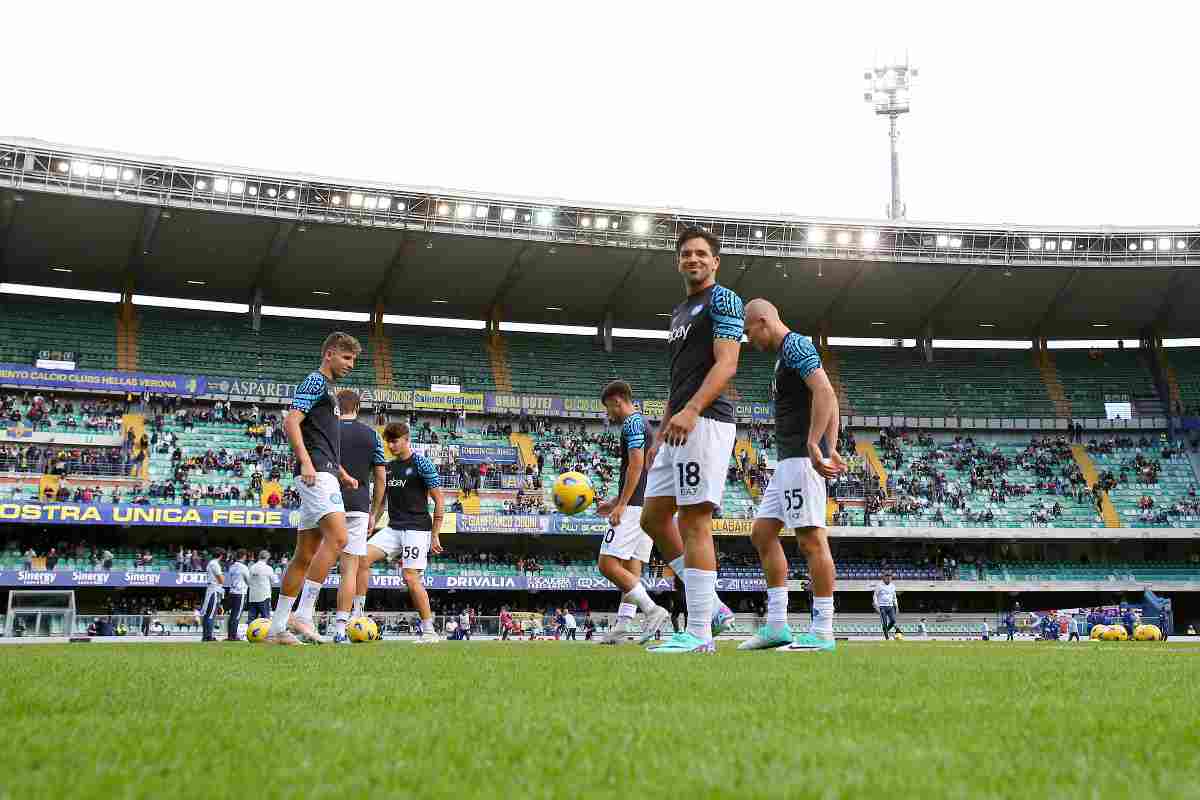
x=29, y=326
x=1088, y=376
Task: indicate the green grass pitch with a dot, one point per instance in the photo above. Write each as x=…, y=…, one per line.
x=552, y=719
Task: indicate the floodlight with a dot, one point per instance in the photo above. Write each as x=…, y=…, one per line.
x=236, y=187
x=508, y=214
x=943, y=240
x=1164, y=244
x=758, y=234
x=955, y=242
x=64, y=166
x=356, y=200
x=336, y=200
x=870, y=239
x=252, y=191
x=887, y=90
x=443, y=209
x=1051, y=244
x=1035, y=243
x=601, y=222
x=843, y=237
x=291, y=194
x=385, y=203
x=1180, y=244
x=463, y=211
x=545, y=217
x=272, y=192
x=110, y=173
x=221, y=185
x=641, y=225
x=202, y=184
x=816, y=236
x=370, y=203
x=481, y=212
x=585, y=222
x=1147, y=244
x=1066, y=244
x=1133, y=245
x=127, y=175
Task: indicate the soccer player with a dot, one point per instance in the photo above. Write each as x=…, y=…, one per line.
x=312, y=431
x=411, y=481
x=806, y=425
x=626, y=547
x=696, y=438
x=212, y=595
x=239, y=575
x=363, y=487
x=885, y=603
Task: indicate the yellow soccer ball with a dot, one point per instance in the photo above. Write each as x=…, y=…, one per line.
x=1098, y=632
x=1116, y=633
x=257, y=630
x=899, y=637
x=362, y=629
x=572, y=493
x=1147, y=633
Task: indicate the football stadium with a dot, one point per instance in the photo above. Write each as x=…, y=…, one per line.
x=317, y=487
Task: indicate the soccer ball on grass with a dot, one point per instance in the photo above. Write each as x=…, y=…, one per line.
x=572, y=493
x=257, y=630
x=362, y=629
x=1147, y=633
x=1098, y=632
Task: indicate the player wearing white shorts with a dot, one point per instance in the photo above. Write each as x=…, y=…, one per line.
x=412, y=533
x=364, y=461
x=806, y=418
x=312, y=430
x=626, y=547
x=696, y=439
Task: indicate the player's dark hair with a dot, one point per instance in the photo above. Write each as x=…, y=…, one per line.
x=693, y=232
x=394, y=431
x=348, y=401
x=617, y=389
x=339, y=340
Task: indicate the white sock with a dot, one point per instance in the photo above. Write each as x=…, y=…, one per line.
x=308, y=599
x=339, y=626
x=360, y=605
x=283, y=610
x=700, y=590
x=627, y=610
x=427, y=625
x=822, y=622
x=639, y=596
x=777, y=599
x=679, y=569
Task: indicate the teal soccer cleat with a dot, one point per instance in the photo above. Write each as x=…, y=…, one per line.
x=685, y=642
x=768, y=637
x=808, y=643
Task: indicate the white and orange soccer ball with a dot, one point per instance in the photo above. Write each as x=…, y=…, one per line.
x=572, y=493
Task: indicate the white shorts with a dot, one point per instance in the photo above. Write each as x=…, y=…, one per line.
x=796, y=496
x=356, y=526
x=695, y=472
x=413, y=546
x=322, y=498
x=628, y=540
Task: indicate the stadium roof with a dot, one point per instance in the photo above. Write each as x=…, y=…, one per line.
x=329, y=243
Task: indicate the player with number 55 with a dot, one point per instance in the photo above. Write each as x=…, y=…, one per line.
x=806, y=428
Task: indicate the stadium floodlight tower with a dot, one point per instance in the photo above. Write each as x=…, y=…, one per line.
x=888, y=88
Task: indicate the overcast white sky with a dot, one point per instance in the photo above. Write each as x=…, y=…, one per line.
x=1040, y=113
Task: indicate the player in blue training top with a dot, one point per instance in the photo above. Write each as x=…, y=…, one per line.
x=411, y=480
x=696, y=439
x=806, y=428
x=312, y=430
x=626, y=547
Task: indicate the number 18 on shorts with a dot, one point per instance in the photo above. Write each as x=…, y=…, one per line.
x=796, y=496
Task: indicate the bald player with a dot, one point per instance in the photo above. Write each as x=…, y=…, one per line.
x=806, y=428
